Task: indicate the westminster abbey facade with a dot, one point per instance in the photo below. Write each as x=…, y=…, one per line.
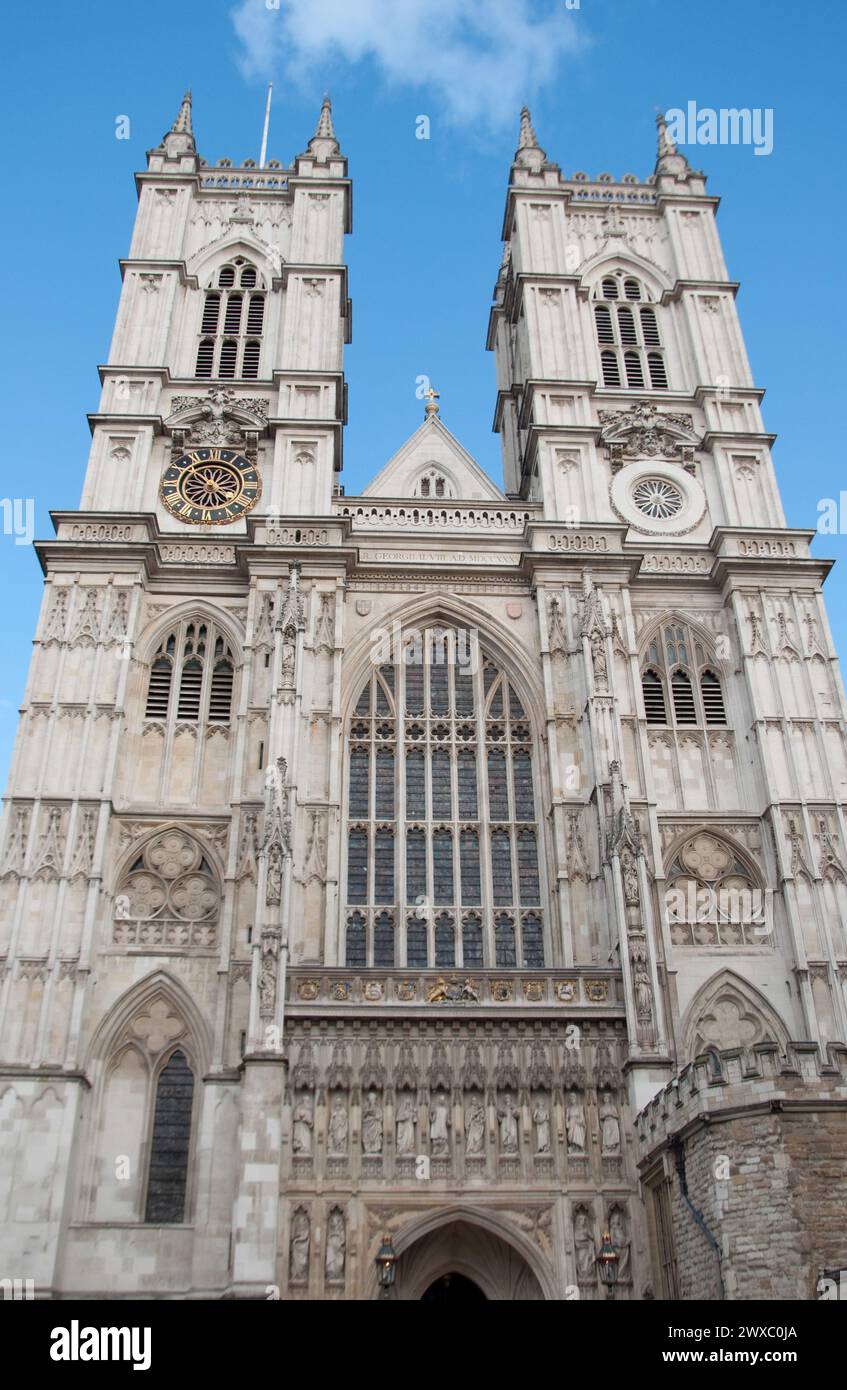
x=443, y=871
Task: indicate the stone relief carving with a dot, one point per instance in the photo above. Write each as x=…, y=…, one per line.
x=475, y=1126
x=338, y=1125
x=298, y=1258
x=303, y=1121
x=610, y=1128
x=439, y=1124
x=508, y=1115
x=585, y=1245
x=86, y=628
x=406, y=1120
x=336, y=1247
x=57, y=619
x=372, y=1123
x=575, y=1128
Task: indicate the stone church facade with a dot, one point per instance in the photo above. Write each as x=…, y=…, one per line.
x=454, y=868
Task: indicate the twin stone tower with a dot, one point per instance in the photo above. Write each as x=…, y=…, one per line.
x=447, y=870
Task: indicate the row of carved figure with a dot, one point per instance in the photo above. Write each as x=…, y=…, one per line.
x=438, y=1123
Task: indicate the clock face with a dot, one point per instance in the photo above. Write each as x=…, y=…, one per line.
x=210, y=487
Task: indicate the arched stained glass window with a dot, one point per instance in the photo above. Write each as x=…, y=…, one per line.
x=441, y=802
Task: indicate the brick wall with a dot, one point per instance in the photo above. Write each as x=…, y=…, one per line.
x=765, y=1157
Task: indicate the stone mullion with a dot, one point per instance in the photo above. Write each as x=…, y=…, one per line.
x=335, y=867
x=489, y=954
x=203, y=715
x=400, y=952
x=562, y=943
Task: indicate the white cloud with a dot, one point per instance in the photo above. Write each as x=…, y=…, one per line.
x=475, y=61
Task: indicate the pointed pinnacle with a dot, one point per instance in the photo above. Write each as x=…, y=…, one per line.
x=669, y=160
x=529, y=153
x=182, y=124
x=528, y=139
x=325, y=129
x=666, y=144
x=324, y=143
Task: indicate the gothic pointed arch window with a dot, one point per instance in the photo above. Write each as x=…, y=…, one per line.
x=627, y=329
x=170, y=1142
x=191, y=675
x=231, y=324
x=443, y=862
x=679, y=682
x=714, y=897
x=168, y=897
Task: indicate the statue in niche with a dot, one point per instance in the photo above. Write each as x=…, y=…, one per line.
x=372, y=1124
x=405, y=1121
x=508, y=1117
x=303, y=1119
x=620, y=1239
x=439, y=1125
x=274, y=882
x=541, y=1119
x=643, y=991
x=336, y=1247
x=338, y=1125
x=475, y=1127
x=598, y=657
x=610, y=1128
x=298, y=1265
x=584, y=1243
x=575, y=1124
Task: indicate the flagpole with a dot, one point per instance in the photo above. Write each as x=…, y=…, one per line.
x=265, y=131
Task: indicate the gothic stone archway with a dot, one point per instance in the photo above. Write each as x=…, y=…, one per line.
x=494, y=1266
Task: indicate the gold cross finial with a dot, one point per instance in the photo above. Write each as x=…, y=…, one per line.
x=431, y=407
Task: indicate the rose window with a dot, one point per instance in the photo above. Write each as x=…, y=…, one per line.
x=657, y=498
x=169, y=897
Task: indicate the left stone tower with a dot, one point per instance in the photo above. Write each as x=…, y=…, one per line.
x=152, y=745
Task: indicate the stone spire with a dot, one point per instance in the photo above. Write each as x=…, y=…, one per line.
x=668, y=158
x=182, y=124
x=179, y=140
x=323, y=143
x=529, y=153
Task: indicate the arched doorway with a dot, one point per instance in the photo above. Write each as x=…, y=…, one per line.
x=463, y=1260
x=453, y=1288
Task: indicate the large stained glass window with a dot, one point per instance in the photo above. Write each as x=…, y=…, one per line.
x=443, y=849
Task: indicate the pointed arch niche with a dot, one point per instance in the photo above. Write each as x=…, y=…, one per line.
x=442, y=862
x=727, y=1012
x=145, y=1062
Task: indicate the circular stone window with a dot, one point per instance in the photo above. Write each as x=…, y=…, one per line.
x=657, y=498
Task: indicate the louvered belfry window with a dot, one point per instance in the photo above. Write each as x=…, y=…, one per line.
x=628, y=336
x=443, y=861
x=679, y=685
x=191, y=676
x=231, y=324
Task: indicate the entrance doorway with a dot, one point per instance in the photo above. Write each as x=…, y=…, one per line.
x=454, y=1288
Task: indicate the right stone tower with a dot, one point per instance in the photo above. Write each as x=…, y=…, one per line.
x=625, y=399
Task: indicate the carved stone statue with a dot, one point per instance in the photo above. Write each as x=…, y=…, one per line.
x=338, y=1125
x=405, y=1121
x=336, y=1247
x=620, y=1239
x=541, y=1119
x=508, y=1117
x=643, y=991
x=439, y=1124
x=584, y=1244
x=475, y=1127
x=610, y=1129
x=298, y=1261
x=372, y=1124
x=575, y=1125
x=303, y=1118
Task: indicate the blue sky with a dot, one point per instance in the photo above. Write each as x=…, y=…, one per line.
x=426, y=244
